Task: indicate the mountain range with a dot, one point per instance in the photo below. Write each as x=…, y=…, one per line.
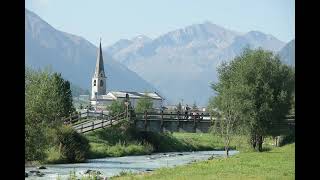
x=180, y=64
x=74, y=57
x=287, y=53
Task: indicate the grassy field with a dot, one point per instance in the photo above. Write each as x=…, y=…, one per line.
x=278, y=163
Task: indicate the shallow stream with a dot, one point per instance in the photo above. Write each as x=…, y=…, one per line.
x=114, y=165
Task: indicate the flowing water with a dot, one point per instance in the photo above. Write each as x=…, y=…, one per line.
x=113, y=166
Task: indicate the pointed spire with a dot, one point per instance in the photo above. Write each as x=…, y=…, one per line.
x=99, y=64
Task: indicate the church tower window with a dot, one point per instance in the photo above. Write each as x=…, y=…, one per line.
x=101, y=82
x=94, y=83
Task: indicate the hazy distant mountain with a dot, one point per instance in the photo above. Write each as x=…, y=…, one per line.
x=287, y=53
x=74, y=57
x=182, y=63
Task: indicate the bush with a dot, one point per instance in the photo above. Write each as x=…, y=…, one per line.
x=35, y=142
x=54, y=156
x=73, y=146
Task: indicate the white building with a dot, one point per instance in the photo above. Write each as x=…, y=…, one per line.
x=100, y=97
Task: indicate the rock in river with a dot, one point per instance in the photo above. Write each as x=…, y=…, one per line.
x=89, y=171
x=36, y=173
x=42, y=167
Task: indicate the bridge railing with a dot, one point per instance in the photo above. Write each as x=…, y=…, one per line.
x=92, y=125
x=174, y=116
x=75, y=117
x=205, y=117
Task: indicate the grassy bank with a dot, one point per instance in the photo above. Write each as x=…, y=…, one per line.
x=115, y=142
x=123, y=141
x=278, y=163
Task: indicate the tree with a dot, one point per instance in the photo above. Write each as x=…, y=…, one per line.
x=117, y=107
x=47, y=100
x=194, y=106
x=144, y=104
x=64, y=95
x=226, y=122
x=179, y=107
x=257, y=89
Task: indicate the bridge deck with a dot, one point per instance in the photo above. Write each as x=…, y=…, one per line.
x=156, y=122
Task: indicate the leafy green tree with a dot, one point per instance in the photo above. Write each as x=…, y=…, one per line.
x=211, y=107
x=35, y=141
x=47, y=100
x=35, y=114
x=144, y=104
x=62, y=89
x=255, y=88
x=293, y=104
x=226, y=122
x=117, y=107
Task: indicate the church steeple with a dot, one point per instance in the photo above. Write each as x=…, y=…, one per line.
x=99, y=83
x=99, y=71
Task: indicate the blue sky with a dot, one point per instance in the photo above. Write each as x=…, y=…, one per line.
x=125, y=19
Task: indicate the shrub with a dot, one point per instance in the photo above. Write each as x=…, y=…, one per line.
x=73, y=146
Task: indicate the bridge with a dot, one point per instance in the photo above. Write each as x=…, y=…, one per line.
x=158, y=122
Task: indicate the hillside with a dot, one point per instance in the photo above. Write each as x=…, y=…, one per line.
x=74, y=57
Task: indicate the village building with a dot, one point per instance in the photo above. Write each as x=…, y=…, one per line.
x=101, y=98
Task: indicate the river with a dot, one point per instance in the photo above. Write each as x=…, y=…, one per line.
x=114, y=165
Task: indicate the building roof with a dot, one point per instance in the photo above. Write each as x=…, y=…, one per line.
x=106, y=97
x=137, y=95
x=113, y=95
x=99, y=71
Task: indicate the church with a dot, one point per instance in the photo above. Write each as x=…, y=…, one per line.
x=101, y=98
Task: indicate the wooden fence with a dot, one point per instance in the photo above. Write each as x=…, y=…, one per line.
x=98, y=124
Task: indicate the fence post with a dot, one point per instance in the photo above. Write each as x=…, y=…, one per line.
x=87, y=113
x=110, y=121
x=102, y=123
x=178, y=121
x=194, y=123
x=81, y=128
x=145, y=121
x=161, y=124
x=93, y=125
